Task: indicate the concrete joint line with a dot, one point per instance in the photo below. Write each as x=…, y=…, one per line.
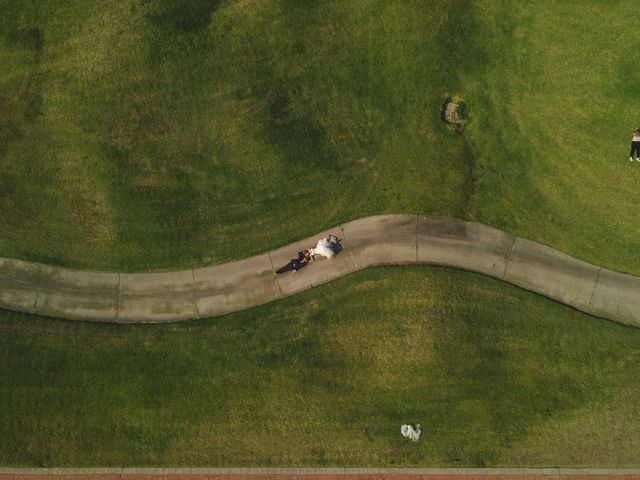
x=35, y=302
x=118, y=297
x=344, y=236
x=595, y=285
x=508, y=258
x=193, y=289
x=275, y=276
x=417, y=220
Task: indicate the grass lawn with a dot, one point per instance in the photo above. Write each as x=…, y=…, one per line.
x=138, y=135
x=153, y=134
x=156, y=134
x=554, y=107
x=327, y=378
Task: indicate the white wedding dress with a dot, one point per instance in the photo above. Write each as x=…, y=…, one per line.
x=325, y=247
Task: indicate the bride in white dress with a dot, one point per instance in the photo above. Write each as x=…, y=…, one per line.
x=325, y=247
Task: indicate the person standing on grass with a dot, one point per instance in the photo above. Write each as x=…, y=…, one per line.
x=635, y=145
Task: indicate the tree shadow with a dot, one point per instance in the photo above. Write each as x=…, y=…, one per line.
x=30, y=38
x=22, y=103
x=185, y=16
x=296, y=132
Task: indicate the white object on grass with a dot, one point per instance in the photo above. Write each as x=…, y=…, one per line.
x=411, y=431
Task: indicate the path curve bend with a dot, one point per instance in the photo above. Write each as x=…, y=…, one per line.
x=380, y=240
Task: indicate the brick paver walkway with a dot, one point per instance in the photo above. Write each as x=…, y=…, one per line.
x=320, y=474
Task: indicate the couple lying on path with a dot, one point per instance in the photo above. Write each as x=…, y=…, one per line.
x=326, y=247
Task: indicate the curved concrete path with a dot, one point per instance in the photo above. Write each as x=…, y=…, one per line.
x=380, y=240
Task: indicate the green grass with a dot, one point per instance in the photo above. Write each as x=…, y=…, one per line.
x=552, y=115
x=327, y=378
x=146, y=135
x=151, y=135
x=143, y=135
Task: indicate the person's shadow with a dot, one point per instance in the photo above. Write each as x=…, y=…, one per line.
x=337, y=248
